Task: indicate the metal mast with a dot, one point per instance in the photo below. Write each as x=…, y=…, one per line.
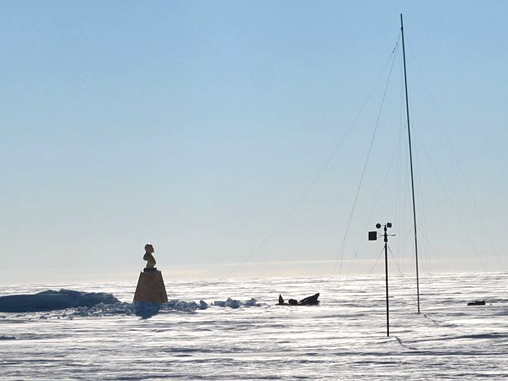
x=372, y=237
x=410, y=163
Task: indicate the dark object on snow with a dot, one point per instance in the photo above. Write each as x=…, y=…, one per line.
x=54, y=300
x=477, y=303
x=308, y=301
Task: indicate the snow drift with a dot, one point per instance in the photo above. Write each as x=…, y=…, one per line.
x=54, y=300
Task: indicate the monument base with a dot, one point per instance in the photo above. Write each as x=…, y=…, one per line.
x=151, y=288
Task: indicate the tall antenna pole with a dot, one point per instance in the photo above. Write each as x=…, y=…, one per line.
x=410, y=163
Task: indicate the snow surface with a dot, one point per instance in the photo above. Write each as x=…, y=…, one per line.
x=236, y=332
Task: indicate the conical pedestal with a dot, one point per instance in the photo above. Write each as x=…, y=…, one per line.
x=151, y=288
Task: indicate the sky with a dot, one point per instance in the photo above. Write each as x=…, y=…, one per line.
x=249, y=139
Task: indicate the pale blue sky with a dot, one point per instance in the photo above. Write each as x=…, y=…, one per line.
x=198, y=125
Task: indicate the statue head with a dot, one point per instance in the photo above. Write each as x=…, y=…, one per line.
x=149, y=248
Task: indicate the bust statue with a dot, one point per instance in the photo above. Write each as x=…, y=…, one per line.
x=149, y=258
x=150, y=288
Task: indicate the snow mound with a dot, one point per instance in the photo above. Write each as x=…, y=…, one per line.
x=147, y=310
x=180, y=305
x=51, y=300
x=233, y=303
x=142, y=309
x=90, y=304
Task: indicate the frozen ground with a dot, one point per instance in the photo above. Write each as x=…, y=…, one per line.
x=247, y=339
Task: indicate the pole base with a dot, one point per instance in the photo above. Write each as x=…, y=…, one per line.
x=151, y=288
